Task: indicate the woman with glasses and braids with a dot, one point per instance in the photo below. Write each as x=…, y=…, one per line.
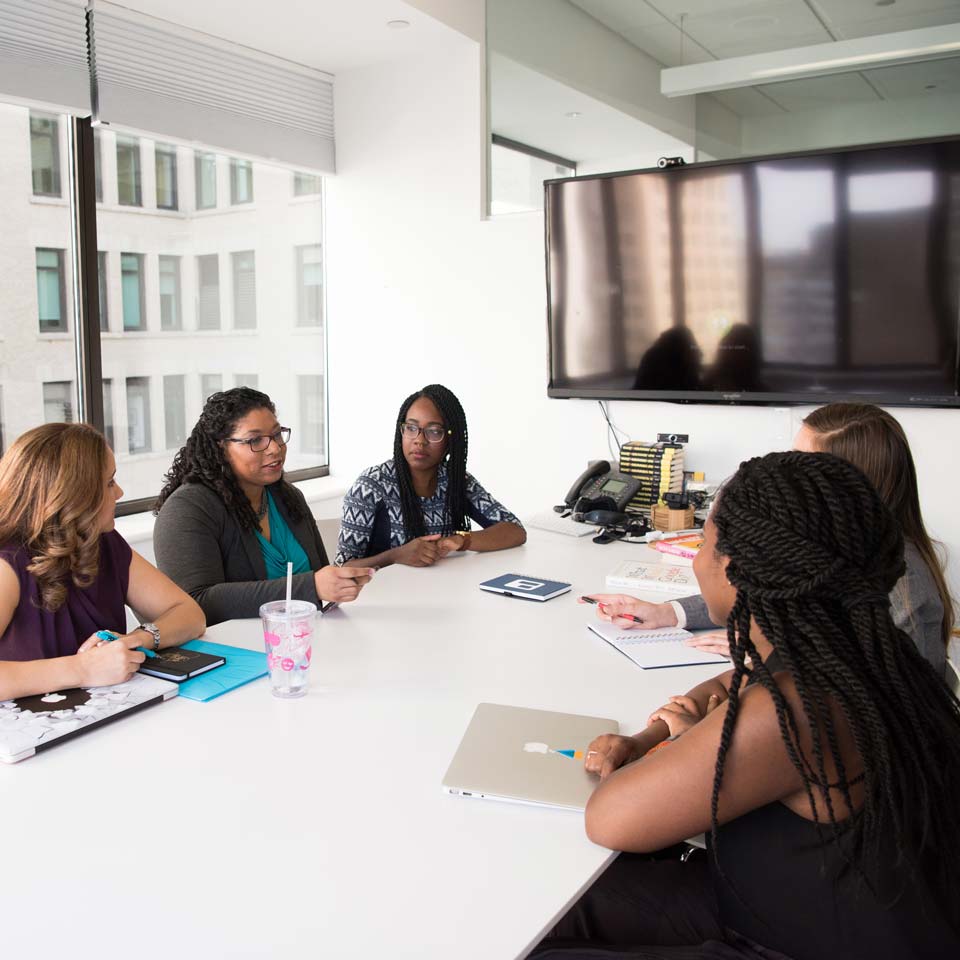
x=871, y=439
x=417, y=507
x=827, y=780
x=228, y=523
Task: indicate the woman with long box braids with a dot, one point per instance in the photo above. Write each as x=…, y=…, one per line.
x=418, y=507
x=824, y=767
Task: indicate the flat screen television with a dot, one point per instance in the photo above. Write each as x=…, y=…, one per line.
x=788, y=279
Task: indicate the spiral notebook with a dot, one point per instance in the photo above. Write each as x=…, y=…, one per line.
x=653, y=649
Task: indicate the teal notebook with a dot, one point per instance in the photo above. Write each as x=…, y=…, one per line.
x=241, y=667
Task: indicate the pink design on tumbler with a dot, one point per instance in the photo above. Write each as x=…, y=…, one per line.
x=309, y=654
x=271, y=638
x=273, y=660
x=286, y=664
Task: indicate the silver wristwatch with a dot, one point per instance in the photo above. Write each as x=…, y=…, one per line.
x=154, y=632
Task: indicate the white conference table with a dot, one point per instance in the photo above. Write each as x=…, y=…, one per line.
x=254, y=827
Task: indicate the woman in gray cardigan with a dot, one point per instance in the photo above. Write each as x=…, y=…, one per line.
x=871, y=439
x=228, y=523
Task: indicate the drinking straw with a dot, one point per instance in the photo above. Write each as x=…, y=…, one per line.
x=289, y=586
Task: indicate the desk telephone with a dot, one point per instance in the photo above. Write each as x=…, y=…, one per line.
x=600, y=482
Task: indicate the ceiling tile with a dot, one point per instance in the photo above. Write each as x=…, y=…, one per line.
x=862, y=18
x=748, y=102
x=912, y=79
x=814, y=93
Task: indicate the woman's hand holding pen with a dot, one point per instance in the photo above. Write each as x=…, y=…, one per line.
x=341, y=584
x=609, y=752
x=100, y=663
x=630, y=613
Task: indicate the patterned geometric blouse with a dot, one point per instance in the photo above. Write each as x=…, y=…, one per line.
x=373, y=519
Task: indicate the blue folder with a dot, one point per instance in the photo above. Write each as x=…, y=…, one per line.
x=241, y=667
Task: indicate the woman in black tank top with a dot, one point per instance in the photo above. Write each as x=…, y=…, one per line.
x=825, y=766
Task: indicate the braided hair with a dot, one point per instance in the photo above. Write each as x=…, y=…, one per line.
x=455, y=504
x=201, y=459
x=813, y=554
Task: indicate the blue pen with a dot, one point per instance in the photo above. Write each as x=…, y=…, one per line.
x=108, y=635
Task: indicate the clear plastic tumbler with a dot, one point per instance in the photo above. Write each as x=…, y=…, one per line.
x=288, y=638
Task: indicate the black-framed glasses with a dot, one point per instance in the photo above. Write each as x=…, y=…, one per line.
x=258, y=444
x=433, y=433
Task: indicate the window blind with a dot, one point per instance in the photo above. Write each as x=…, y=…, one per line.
x=43, y=54
x=156, y=76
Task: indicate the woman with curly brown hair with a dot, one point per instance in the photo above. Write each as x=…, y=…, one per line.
x=228, y=523
x=65, y=573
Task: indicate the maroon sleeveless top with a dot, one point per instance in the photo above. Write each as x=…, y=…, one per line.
x=37, y=634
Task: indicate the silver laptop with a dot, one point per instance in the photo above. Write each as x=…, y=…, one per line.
x=31, y=724
x=527, y=756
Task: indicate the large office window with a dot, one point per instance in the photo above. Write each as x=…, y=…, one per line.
x=170, y=313
x=108, y=413
x=58, y=402
x=175, y=411
x=129, y=191
x=51, y=291
x=210, y=383
x=312, y=407
x=138, y=414
x=205, y=178
x=309, y=285
x=45, y=155
x=241, y=181
x=244, y=290
x=166, y=166
x=208, y=292
x=306, y=183
x=102, y=304
x=131, y=278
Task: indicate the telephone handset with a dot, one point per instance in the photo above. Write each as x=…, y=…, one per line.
x=599, y=480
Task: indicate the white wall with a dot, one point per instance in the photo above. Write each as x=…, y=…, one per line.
x=421, y=290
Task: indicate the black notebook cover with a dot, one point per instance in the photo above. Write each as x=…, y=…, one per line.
x=178, y=664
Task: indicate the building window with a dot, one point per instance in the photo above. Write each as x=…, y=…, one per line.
x=251, y=380
x=108, y=411
x=131, y=278
x=45, y=155
x=138, y=414
x=312, y=429
x=241, y=181
x=166, y=164
x=98, y=163
x=205, y=177
x=244, y=290
x=51, y=291
x=309, y=285
x=170, y=314
x=102, y=291
x=208, y=288
x=128, y=172
x=175, y=411
x=58, y=402
x=306, y=183
x=210, y=383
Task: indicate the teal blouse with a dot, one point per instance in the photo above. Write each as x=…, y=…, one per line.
x=282, y=547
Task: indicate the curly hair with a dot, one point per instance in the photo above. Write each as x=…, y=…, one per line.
x=201, y=459
x=455, y=505
x=51, y=493
x=813, y=554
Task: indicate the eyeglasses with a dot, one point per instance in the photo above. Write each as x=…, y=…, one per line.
x=258, y=444
x=433, y=433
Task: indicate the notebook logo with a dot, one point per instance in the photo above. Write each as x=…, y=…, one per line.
x=521, y=584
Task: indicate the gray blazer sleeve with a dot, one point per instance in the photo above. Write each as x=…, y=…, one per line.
x=917, y=609
x=696, y=610
x=204, y=551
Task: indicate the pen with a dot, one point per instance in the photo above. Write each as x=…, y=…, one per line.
x=619, y=616
x=107, y=635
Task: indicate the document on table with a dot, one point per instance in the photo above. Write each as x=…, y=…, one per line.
x=652, y=649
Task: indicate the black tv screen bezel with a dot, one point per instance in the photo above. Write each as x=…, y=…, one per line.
x=736, y=398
